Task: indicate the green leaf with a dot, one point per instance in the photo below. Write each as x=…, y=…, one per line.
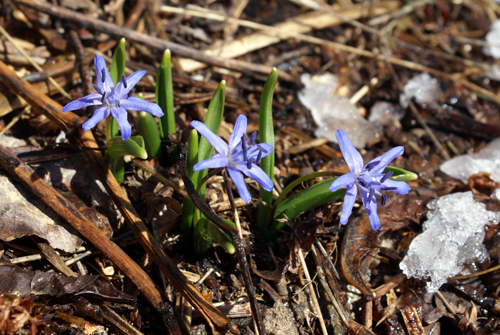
x=188, y=208
x=219, y=236
x=266, y=135
x=117, y=167
x=400, y=174
x=117, y=148
x=148, y=129
x=207, y=232
x=118, y=63
x=213, y=121
x=134, y=146
x=116, y=70
x=202, y=241
x=165, y=96
x=312, y=197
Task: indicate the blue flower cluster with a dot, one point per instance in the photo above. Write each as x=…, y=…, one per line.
x=113, y=100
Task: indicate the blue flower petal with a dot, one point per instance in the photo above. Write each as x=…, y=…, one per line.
x=239, y=182
x=213, y=139
x=371, y=210
x=99, y=65
x=136, y=104
x=257, y=174
x=240, y=129
x=214, y=162
x=399, y=187
x=99, y=114
x=345, y=181
x=351, y=155
x=120, y=114
x=379, y=164
x=88, y=100
x=131, y=80
x=349, y=200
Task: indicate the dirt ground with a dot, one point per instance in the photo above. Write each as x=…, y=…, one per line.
x=84, y=254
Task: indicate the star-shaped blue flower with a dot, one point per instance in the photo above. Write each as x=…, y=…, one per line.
x=239, y=157
x=115, y=100
x=369, y=180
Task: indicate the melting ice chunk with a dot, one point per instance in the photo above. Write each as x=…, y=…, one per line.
x=423, y=88
x=331, y=112
x=452, y=236
x=486, y=160
x=384, y=113
x=493, y=38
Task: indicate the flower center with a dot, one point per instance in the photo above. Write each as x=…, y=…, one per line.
x=111, y=98
x=246, y=156
x=370, y=184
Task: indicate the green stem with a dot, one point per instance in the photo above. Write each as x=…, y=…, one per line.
x=295, y=183
x=206, y=178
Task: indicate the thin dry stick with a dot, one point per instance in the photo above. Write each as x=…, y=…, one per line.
x=447, y=304
x=35, y=65
x=15, y=119
x=150, y=42
x=160, y=177
x=233, y=205
x=480, y=273
x=328, y=9
x=114, y=318
x=340, y=47
x=311, y=289
x=206, y=178
x=327, y=289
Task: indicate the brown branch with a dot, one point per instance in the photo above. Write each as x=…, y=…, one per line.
x=63, y=207
x=67, y=121
x=151, y=42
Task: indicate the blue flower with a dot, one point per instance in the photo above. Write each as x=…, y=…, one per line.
x=369, y=180
x=115, y=100
x=239, y=157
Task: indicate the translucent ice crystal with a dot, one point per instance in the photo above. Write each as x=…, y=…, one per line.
x=452, y=236
x=332, y=112
x=496, y=194
x=486, y=160
x=384, y=113
x=493, y=38
x=423, y=88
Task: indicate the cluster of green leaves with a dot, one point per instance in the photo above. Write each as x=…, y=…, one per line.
x=148, y=143
x=197, y=232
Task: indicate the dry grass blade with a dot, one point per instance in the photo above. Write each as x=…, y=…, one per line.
x=311, y=288
x=294, y=27
x=34, y=64
x=151, y=42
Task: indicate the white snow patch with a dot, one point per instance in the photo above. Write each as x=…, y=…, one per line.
x=332, y=112
x=452, y=236
x=493, y=39
x=486, y=160
x=424, y=88
x=496, y=194
x=384, y=113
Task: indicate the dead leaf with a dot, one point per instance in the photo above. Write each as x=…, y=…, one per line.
x=19, y=217
x=13, y=280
